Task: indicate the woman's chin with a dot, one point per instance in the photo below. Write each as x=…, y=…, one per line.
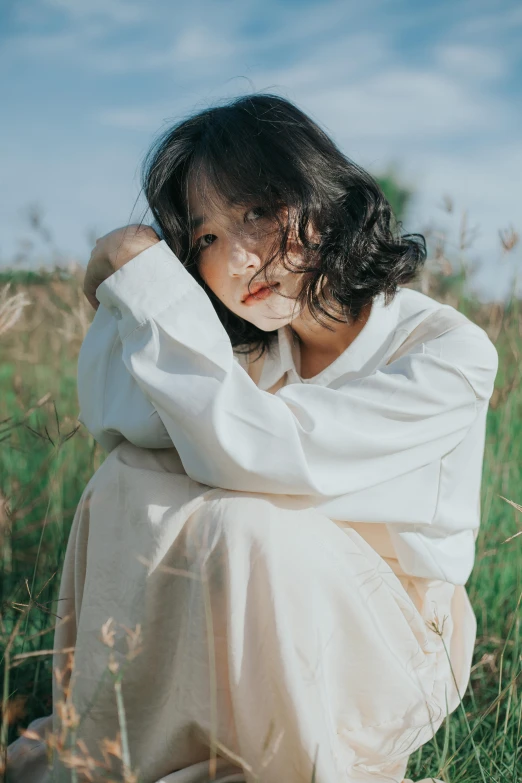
x=268, y=323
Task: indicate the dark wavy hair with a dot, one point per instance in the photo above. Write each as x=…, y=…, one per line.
x=262, y=151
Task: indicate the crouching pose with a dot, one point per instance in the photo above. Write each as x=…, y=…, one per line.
x=274, y=553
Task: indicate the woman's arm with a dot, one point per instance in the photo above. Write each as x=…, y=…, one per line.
x=306, y=439
x=113, y=407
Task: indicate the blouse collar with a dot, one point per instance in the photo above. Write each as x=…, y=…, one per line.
x=363, y=354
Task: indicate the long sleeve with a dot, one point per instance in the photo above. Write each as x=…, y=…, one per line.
x=113, y=407
x=306, y=439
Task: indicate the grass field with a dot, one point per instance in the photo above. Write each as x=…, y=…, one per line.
x=47, y=458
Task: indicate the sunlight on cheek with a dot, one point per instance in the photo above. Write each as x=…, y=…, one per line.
x=209, y=273
x=204, y=269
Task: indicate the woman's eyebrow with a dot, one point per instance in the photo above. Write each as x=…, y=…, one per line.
x=198, y=221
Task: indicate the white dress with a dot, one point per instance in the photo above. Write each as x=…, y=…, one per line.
x=319, y=643
x=279, y=637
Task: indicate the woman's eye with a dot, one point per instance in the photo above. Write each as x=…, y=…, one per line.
x=206, y=240
x=200, y=244
x=259, y=210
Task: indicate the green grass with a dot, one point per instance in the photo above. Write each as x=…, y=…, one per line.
x=46, y=462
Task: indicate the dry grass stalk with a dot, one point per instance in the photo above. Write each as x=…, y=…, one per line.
x=11, y=308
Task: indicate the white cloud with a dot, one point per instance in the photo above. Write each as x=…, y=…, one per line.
x=405, y=103
x=441, y=110
x=490, y=21
x=358, y=85
x=169, y=35
x=116, y=11
x=477, y=63
x=199, y=41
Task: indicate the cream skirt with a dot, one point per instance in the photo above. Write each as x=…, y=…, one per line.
x=271, y=636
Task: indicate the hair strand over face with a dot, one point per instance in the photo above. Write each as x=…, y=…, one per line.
x=262, y=151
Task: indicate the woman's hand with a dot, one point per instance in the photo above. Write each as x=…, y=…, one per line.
x=111, y=252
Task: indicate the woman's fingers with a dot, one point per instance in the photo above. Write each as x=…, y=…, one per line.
x=111, y=252
x=98, y=269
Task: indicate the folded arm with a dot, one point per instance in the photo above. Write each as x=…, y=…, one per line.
x=171, y=377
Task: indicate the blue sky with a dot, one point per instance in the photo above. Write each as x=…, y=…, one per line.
x=433, y=88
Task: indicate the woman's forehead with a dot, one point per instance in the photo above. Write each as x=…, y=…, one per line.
x=206, y=204
x=203, y=199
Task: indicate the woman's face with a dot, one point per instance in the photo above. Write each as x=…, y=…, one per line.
x=233, y=244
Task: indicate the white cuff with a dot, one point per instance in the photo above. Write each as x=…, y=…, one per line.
x=144, y=286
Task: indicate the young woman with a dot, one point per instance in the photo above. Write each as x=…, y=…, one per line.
x=290, y=502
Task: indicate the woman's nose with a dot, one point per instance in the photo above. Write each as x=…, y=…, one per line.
x=242, y=257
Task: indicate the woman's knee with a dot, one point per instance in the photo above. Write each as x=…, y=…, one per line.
x=257, y=518
x=231, y=516
x=252, y=522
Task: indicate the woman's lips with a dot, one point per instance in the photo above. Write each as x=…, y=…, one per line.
x=263, y=293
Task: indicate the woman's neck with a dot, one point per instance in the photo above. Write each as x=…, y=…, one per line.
x=317, y=341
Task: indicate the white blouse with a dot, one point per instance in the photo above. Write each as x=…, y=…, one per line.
x=400, y=444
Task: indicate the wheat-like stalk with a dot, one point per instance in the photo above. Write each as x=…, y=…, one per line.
x=11, y=307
